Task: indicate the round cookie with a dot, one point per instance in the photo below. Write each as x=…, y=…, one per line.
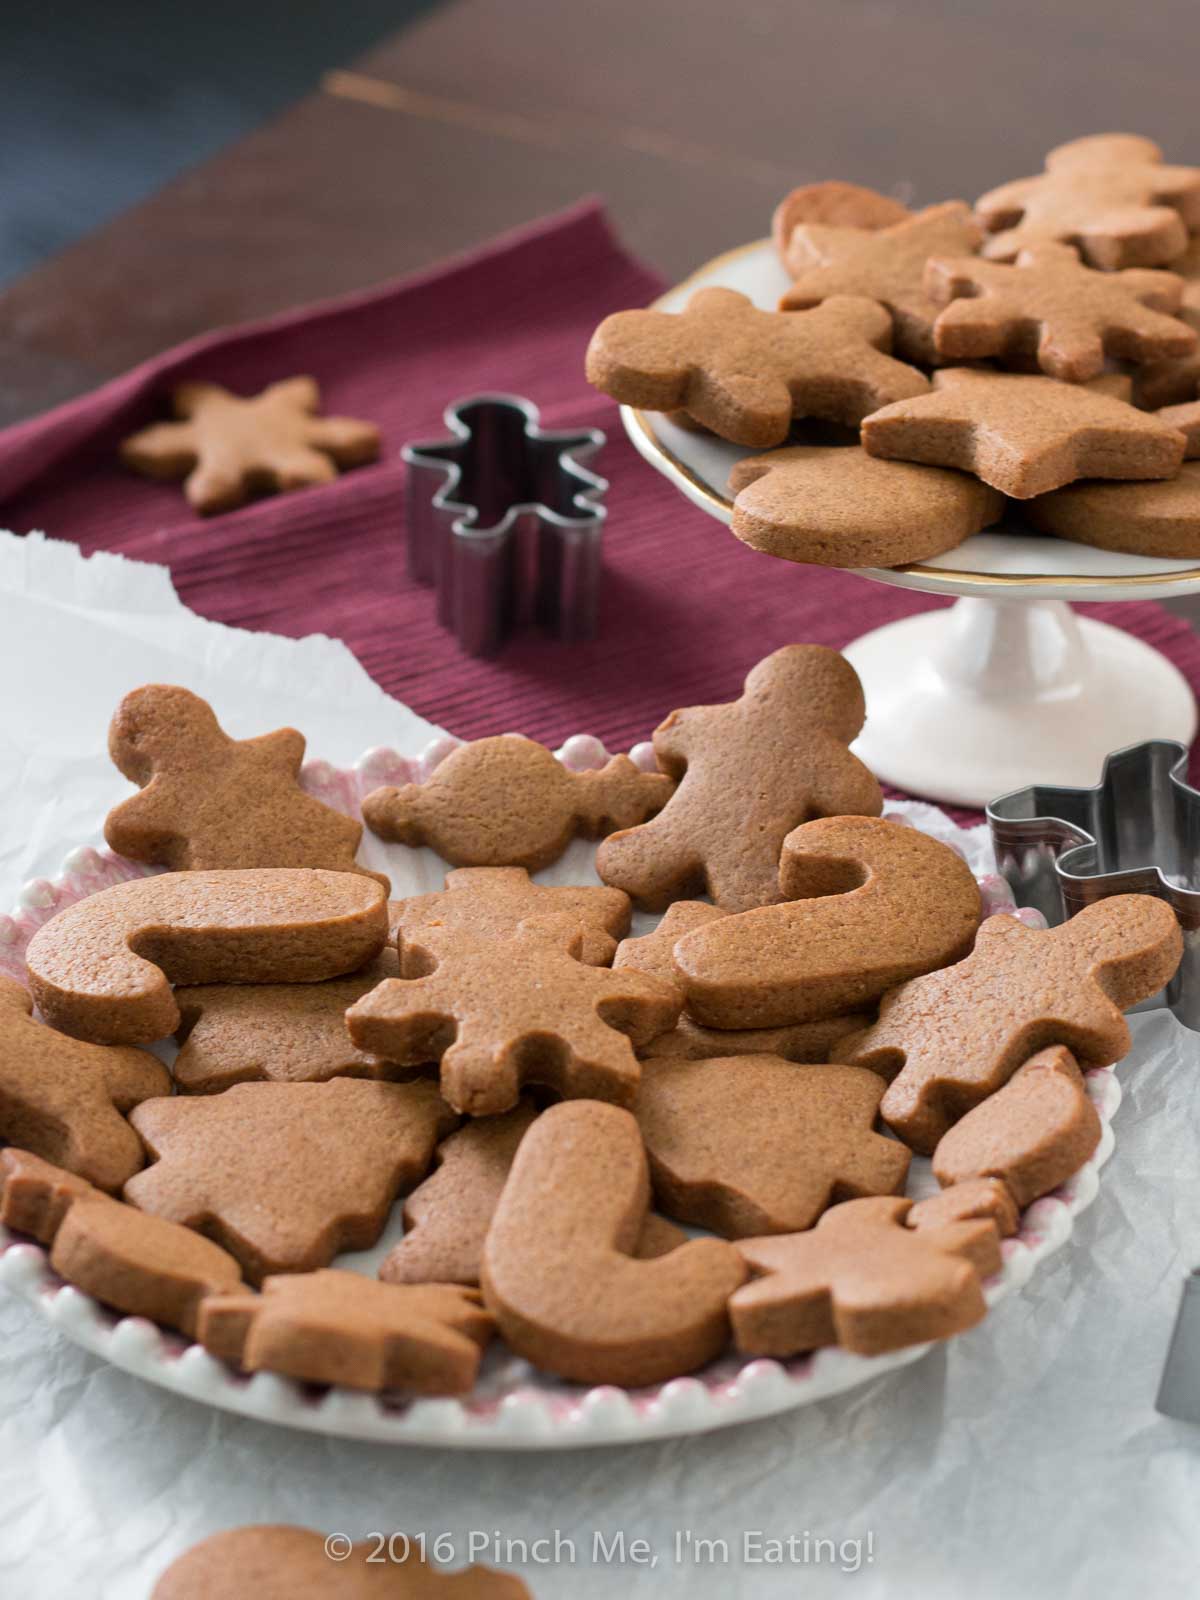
x=1145, y=519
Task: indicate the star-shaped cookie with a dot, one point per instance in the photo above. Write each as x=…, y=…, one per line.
x=1050, y=308
x=745, y=373
x=887, y=264
x=1024, y=434
x=227, y=447
x=1108, y=194
x=837, y=506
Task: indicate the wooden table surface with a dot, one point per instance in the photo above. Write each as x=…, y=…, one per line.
x=690, y=116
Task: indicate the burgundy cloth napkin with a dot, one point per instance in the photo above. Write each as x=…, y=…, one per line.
x=686, y=609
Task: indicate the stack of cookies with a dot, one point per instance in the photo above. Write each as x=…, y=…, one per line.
x=926, y=367
x=556, y=1100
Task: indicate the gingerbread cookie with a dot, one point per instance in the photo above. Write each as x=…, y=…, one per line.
x=491, y=902
x=839, y=507
x=498, y=1013
x=838, y=205
x=1109, y=195
x=287, y=1175
x=956, y=1036
x=102, y=969
x=1032, y=1134
x=967, y=1202
x=558, y=1273
x=65, y=1100
x=870, y=903
x=339, y=1327
x=277, y=1032
x=862, y=1280
x=1172, y=382
x=1051, y=309
x=283, y=1563
x=509, y=802
x=1024, y=434
x=208, y=800
x=755, y=1144
x=35, y=1196
x=745, y=373
x=748, y=773
x=1146, y=519
x=1185, y=419
x=887, y=265
x=227, y=446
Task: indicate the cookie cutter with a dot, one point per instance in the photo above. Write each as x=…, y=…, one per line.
x=1136, y=832
x=1179, y=1390
x=505, y=523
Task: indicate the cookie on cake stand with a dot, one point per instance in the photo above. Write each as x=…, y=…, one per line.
x=1009, y=683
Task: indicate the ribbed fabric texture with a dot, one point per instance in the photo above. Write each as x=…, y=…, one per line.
x=686, y=609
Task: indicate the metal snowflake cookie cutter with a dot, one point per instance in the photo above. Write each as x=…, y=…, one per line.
x=1179, y=1390
x=505, y=523
x=1136, y=832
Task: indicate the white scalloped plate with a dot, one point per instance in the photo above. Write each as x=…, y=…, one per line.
x=512, y=1406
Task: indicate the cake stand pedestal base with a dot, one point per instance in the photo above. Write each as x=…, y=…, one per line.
x=989, y=695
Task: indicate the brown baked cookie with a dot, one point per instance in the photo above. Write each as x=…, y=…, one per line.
x=342, y=1328
x=208, y=800
x=1185, y=419
x=498, y=1013
x=277, y=1032
x=967, y=1202
x=1051, y=309
x=748, y=773
x=103, y=968
x=956, y=1036
x=1109, y=195
x=1025, y=434
x=871, y=903
x=287, y=1175
x=836, y=204
x=142, y=1265
x=558, y=1271
x=510, y=802
x=1145, y=519
x=755, y=1144
x=745, y=373
x=862, y=1280
x=836, y=506
x=283, y=1563
x=887, y=265
x=1176, y=381
x=228, y=447
x=492, y=902
x=1033, y=1133
x=35, y=1196
x=65, y=1100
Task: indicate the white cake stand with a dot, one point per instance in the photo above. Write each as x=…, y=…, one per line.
x=1008, y=686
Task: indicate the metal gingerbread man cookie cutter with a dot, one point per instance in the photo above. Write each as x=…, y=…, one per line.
x=1136, y=832
x=505, y=523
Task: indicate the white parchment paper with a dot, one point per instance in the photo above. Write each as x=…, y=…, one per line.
x=1023, y=1460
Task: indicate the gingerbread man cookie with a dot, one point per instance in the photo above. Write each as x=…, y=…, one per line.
x=1032, y=1134
x=558, y=1270
x=65, y=1100
x=837, y=506
x=34, y=1195
x=287, y=1175
x=509, y=802
x=1025, y=434
x=1108, y=194
x=888, y=265
x=1147, y=519
x=102, y=969
x=748, y=773
x=835, y=203
x=283, y=1563
x=1051, y=309
x=339, y=1327
x=968, y=1201
x=227, y=446
x=862, y=1280
x=756, y=1144
x=870, y=903
x=745, y=373
x=951, y=1038
x=211, y=801
x=501, y=1012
